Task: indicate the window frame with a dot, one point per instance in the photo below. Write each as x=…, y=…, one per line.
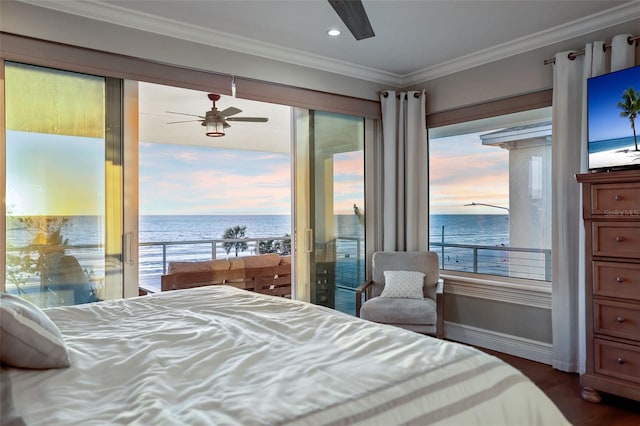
x=505, y=289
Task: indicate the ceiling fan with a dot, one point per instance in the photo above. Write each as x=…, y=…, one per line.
x=354, y=17
x=216, y=121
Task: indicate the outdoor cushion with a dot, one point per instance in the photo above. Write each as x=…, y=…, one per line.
x=199, y=266
x=259, y=261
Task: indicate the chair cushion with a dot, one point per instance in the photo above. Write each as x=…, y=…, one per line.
x=407, y=284
x=389, y=310
x=29, y=338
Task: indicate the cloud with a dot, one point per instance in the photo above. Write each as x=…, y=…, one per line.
x=207, y=181
x=462, y=170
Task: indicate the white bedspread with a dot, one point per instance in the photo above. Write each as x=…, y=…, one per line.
x=222, y=356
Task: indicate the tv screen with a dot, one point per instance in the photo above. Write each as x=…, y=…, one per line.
x=613, y=117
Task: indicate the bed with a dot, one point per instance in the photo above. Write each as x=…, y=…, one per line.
x=218, y=355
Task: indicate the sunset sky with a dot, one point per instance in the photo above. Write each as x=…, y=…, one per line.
x=173, y=179
x=463, y=171
x=201, y=180
x=54, y=174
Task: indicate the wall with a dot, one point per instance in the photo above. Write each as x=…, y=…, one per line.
x=520, y=74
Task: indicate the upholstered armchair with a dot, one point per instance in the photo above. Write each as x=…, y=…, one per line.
x=405, y=291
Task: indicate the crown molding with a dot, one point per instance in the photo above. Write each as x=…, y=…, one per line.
x=151, y=23
x=117, y=15
x=614, y=16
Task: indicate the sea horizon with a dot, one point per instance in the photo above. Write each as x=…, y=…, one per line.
x=86, y=230
x=603, y=145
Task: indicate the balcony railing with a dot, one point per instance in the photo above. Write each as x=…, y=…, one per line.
x=154, y=258
x=515, y=262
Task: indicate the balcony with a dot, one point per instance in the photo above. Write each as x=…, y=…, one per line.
x=349, y=264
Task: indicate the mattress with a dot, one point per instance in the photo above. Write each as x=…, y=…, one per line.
x=218, y=355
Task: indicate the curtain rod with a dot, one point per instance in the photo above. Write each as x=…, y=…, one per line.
x=574, y=55
x=386, y=94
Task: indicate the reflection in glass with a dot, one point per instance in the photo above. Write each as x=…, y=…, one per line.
x=55, y=151
x=337, y=181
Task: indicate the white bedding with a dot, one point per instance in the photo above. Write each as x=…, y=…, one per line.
x=222, y=356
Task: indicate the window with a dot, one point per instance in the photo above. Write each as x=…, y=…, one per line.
x=490, y=195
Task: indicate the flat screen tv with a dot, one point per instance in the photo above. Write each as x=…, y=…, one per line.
x=613, y=117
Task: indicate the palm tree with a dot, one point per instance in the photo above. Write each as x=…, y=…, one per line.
x=281, y=247
x=235, y=233
x=630, y=106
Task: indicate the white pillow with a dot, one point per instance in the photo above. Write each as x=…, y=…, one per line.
x=403, y=284
x=29, y=338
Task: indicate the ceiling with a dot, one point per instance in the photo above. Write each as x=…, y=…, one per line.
x=414, y=40
x=155, y=102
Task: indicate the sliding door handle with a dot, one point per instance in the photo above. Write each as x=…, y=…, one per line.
x=127, y=248
x=308, y=243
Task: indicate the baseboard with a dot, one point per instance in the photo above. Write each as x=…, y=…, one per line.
x=513, y=345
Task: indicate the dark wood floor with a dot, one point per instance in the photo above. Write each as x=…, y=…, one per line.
x=564, y=389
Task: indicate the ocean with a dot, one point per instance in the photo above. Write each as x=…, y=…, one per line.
x=83, y=235
x=88, y=230
x=610, y=144
x=475, y=229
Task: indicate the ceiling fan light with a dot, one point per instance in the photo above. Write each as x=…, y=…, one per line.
x=215, y=129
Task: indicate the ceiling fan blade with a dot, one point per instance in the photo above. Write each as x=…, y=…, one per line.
x=249, y=119
x=230, y=111
x=184, y=121
x=354, y=17
x=182, y=113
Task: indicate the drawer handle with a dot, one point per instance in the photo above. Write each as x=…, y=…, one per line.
x=619, y=319
x=620, y=361
x=619, y=280
x=619, y=239
x=617, y=197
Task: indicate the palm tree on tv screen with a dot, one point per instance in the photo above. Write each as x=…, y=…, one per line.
x=630, y=106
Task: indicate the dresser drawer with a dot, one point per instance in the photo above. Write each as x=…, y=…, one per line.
x=617, y=360
x=615, y=199
x=617, y=319
x=616, y=239
x=616, y=279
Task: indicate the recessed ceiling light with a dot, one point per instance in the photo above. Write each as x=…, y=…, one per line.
x=333, y=32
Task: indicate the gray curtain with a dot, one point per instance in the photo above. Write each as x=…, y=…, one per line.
x=405, y=188
x=569, y=156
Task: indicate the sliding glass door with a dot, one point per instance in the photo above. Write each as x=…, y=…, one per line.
x=330, y=206
x=63, y=185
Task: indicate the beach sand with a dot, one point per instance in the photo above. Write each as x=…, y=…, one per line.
x=614, y=158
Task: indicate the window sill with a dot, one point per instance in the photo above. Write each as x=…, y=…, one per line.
x=502, y=289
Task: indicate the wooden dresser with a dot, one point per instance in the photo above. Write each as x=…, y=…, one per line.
x=611, y=211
